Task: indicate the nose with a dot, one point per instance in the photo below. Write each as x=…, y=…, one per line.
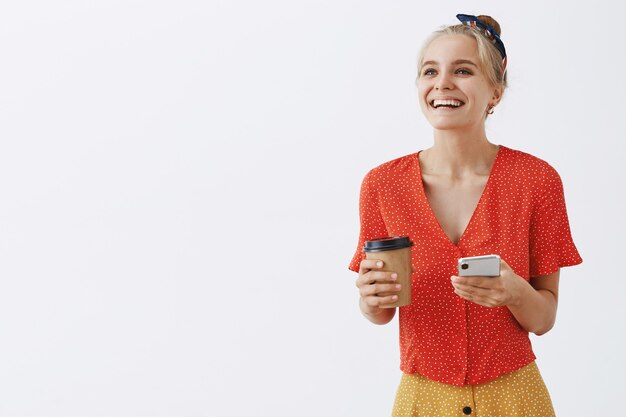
x=443, y=82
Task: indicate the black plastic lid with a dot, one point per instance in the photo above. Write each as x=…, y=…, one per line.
x=387, y=243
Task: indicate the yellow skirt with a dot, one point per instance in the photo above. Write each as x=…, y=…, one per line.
x=521, y=393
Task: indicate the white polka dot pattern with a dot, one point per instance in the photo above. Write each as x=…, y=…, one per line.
x=520, y=216
x=521, y=393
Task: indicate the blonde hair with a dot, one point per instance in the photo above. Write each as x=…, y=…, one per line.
x=488, y=55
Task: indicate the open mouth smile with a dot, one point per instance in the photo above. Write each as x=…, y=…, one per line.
x=450, y=104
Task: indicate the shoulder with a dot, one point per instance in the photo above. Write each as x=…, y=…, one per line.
x=394, y=169
x=533, y=169
x=531, y=173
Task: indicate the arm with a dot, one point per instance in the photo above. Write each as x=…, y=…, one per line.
x=536, y=303
x=371, y=279
x=533, y=304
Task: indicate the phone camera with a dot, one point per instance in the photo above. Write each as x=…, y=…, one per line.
x=464, y=266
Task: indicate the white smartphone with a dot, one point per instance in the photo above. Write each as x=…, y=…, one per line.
x=484, y=266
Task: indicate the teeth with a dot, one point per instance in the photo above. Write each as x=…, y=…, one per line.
x=455, y=103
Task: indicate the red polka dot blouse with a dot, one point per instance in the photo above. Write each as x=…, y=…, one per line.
x=521, y=216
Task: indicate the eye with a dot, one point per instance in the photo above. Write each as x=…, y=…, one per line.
x=464, y=71
x=428, y=71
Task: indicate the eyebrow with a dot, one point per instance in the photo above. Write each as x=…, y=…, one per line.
x=457, y=62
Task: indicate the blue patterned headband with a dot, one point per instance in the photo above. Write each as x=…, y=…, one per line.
x=489, y=31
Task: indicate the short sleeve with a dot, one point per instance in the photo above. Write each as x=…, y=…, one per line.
x=371, y=220
x=551, y=244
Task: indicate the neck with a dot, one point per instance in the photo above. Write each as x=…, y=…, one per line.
x=459, y=153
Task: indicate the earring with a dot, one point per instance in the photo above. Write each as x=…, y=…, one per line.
x=490, y=110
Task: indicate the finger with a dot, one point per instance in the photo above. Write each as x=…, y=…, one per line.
x=380, y=289
x=477, y=297
x=475, y=292
x=477, y=282
x=465, y=288
x=372, y=277
x=382, y=276
x=465, y=291
x=388, y=300
x=504, y=267
x=380, y=301
x=468, y=295
x=463, y=294
x=369, y=264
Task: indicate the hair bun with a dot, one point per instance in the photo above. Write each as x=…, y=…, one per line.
x=488, y=20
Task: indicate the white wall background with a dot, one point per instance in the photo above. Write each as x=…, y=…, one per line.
x=179, y=198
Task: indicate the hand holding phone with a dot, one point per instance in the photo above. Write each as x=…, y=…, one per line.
x=484, y=266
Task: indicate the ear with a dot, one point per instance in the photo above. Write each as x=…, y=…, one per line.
x=497, y=95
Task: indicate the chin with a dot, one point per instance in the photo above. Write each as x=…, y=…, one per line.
x=452, y=123
x=447, y=124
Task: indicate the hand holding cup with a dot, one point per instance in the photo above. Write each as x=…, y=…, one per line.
x=377, y=288
x=389, y=273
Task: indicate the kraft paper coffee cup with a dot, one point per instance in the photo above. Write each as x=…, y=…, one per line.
x=395, y=252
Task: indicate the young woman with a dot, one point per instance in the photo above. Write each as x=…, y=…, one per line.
x=464, y=341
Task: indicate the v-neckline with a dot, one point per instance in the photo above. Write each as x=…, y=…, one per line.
x=478, y=205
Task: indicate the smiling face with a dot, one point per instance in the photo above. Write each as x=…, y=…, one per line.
x=453, y=90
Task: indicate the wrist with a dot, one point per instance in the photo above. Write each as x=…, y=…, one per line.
x=518, y=296
x=376, y=314
x=369, y=310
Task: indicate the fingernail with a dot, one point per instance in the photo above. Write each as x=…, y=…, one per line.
x=394, y=298
x=398, y=286
x=394, y=275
